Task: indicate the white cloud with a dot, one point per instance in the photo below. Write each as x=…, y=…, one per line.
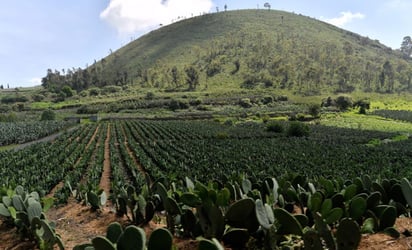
x=35, y=81
x=344, y=18
x=130, y=16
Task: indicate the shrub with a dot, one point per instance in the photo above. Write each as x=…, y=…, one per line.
x=275, y=127
x=245, y=103
x=267, y=99
x=314, y=110
x=37, y=97
x=48, y=115
x=94, y=91
x=344, y=102
x=150, y=96
x=283, y=98
x=298, y=129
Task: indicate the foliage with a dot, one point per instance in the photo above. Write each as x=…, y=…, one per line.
x=20, y=132
x=274, y=126
x=297, y=129
x=48, y=115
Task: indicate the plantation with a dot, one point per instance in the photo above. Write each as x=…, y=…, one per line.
x=241, y=129
x=239, y=183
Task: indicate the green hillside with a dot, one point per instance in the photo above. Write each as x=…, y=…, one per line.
x=248, y=49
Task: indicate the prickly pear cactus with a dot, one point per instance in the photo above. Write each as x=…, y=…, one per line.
x=348, y=234
x=160, y=239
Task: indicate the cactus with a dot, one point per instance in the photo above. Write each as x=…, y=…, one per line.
x=160, y=239
x=391, y=231
x=350, y=191
x=357, y=207
x=95, y=200
x=114, y=230
x=303, y=220
x=315, y=201
x=387, y=218
x=407, y=191
x=213, y=244
x=324, y=231
x=369, y=226
x=18, y=203
x=102, y=243
x=348, y=234
x=333, y=215
x=288, y=223
x=241, y=214
x=223, y=197
x=34, y=209
x=236, y=238
x=190, y=199
x=4, y=211
x=312, y=240
x=373, y=200
x=246, y=186
x=133, y=238
x=378, y=188
x=264, y=214
x=211, y=221
x=188, y=221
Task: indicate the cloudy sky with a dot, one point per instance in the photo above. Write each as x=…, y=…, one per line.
x=37, y=35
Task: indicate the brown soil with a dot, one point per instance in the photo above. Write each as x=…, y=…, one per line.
x=105, y=179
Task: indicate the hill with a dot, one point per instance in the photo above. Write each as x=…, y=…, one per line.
x=249, y=49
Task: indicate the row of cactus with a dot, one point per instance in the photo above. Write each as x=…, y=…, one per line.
x=334, y=212
x=133, y=237
x=25, y=211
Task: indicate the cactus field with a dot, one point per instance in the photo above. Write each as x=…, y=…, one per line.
x=238, y=185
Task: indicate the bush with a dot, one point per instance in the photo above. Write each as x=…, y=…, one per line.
x=67, y=90
x=48, y=115
x=150, y=96
x=38, y=97
x=344, y=102
x=275, y=127
x=298, y=129
x=245, y=103
x=314, y=110
x=94, y=91
x=267, y=99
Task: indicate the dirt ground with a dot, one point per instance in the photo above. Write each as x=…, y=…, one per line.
x=77, y=224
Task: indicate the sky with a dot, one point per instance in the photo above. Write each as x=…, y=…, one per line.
x=49, y=34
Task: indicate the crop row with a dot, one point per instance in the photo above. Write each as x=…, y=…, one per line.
x=21, y=132
x=402, y=115
x=208, y=150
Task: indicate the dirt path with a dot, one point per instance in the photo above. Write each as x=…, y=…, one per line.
x=105, y=180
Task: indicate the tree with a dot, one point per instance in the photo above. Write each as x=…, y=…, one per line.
x=192, y=77
x=388, y=73
x=1, y=86
x=225, y=7
x=406, y=47
x=267, y=5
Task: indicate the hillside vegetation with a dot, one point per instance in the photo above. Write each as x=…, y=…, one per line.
x=247, y=49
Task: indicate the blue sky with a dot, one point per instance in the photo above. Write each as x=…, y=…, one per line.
x=42, y=34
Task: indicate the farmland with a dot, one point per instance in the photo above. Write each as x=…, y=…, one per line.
x=167, y=165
